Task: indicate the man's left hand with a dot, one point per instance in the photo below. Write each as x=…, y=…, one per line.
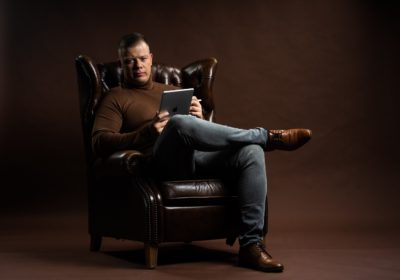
x=195, y=108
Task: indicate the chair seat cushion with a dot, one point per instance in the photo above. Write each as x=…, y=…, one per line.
x=195, y=192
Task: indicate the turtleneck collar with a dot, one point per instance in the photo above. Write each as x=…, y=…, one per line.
x=148, y=85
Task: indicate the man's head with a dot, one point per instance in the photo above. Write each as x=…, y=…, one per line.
x=136, y=59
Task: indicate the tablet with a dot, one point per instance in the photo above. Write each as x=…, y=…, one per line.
x=176, y=101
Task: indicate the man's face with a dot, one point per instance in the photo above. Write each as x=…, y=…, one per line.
x=136, y=62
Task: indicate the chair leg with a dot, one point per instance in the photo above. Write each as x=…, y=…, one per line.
x=151, y=255
x=95, y=243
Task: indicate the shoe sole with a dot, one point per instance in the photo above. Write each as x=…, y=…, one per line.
x=263, y=269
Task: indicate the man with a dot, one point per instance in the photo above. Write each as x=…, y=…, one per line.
x=187, y=146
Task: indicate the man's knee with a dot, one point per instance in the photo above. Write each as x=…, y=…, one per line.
x=180, y=122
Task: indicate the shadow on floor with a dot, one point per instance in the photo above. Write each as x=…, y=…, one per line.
x=177, y=253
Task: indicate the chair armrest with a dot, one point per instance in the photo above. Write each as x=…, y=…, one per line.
x=121, y=163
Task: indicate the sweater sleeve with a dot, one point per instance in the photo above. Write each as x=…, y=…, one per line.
x=107, y=137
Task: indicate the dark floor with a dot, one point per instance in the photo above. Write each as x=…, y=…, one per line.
x=55, y=246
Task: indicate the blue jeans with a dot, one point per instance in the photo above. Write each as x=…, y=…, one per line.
x=190, y=148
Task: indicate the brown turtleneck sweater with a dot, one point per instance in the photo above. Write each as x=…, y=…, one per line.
x=123, y=119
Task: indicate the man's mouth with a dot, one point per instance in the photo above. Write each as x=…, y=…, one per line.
x=140, y=74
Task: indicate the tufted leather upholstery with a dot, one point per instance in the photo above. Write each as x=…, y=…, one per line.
x=124, y=199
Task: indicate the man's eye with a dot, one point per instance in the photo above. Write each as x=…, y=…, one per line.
x=128, y=61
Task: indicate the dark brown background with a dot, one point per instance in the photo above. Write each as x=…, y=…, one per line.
x=329, y=65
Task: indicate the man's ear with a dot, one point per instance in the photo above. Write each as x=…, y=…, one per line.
x=151, y=57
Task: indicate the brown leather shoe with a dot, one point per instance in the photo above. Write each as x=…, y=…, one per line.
x=287, y=139
x=256, y=256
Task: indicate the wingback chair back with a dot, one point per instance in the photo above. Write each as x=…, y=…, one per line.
x=127, y=203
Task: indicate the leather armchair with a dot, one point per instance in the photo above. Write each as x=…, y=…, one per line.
x=125, y=201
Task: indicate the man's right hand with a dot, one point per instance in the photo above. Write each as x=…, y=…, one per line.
x=160, y=120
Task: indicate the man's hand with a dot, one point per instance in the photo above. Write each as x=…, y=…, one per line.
x=160, y=120
x=195, y=108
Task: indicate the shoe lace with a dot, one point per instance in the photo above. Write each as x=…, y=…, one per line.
x=277, y=137
x=261, y=247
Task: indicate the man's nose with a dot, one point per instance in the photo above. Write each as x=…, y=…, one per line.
x=137, y=63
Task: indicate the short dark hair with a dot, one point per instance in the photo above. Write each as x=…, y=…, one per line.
x=130, y=40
